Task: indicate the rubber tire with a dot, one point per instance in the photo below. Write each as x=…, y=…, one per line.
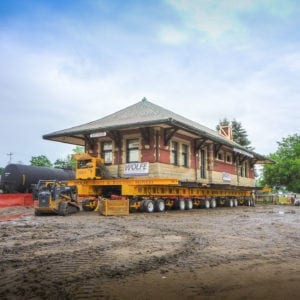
x=235, y=203
x=205, y=204
x=213, y=203
x=188, y=204
x=229, y=203
x=159, y=205
x=180, y=204
x=148, y=206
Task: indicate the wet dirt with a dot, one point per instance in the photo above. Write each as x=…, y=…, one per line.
x=223, y=253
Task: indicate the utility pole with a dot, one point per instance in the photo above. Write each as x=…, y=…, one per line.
x=10, y=154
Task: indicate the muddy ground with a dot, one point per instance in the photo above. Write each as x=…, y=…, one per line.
x=223, y=253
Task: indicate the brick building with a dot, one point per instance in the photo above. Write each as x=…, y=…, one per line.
x=145, y=139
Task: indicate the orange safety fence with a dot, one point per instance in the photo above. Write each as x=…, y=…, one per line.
x=7, y=200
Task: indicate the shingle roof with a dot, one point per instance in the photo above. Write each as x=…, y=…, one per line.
x=144, y=113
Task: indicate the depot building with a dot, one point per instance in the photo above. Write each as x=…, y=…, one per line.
x=148, y=140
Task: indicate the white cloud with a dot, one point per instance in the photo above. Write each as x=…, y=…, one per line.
x=90, y=71
x=172, y=36
x=212, y=18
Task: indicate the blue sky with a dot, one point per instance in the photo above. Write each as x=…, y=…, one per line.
x=64, y=63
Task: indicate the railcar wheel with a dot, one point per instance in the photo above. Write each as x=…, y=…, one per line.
x=159, y=205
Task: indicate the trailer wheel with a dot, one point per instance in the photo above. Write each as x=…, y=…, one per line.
x=229, y=202
x=205, y=204
x=180, y=204
x=159, y=205
x=188, y=204
x=248, y=202
x=213, y=203
x=148, y=206
x=235, y=202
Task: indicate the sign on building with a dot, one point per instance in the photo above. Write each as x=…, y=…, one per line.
x=136, y=169
x=226, y=177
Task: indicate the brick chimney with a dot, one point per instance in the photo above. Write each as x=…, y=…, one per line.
x=226, y=131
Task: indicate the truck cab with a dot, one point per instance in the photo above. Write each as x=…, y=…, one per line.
x=88, y=167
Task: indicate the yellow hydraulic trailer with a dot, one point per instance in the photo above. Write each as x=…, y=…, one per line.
x=148, y=194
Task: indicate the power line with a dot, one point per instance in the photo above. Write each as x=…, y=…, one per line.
x=10, y=154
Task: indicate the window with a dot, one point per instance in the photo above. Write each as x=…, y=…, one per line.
x=132, y=153
x=185, y=155
x=203, y=164
x=106, y=152
x=174, y=153
x=244, y=169
x=220, y=155
x=82, y=164
x=229, y=158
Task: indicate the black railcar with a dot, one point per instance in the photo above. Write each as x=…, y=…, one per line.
x=17, y=178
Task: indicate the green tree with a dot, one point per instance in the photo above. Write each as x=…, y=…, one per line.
x=40, y=161
x=68, y=162
x=1, y=170
x=76, y=150
x=239, y=134
x=286, y=171
x=62, y=163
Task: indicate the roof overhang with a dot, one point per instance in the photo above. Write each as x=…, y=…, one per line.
x=77, y=136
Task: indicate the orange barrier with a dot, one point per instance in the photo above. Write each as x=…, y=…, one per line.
x=7, y=200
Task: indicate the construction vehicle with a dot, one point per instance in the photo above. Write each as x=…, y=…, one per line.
x=55, y=197
x=149, y=194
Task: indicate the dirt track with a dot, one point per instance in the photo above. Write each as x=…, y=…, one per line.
x=239, y=253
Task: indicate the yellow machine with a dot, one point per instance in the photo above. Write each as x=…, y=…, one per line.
x=58, y=197
x=149, y=194
x=89, y=167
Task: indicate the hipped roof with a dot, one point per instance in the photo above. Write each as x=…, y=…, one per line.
x=144, y=114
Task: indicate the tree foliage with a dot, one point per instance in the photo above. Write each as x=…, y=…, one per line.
x=65, y=163
x=69, y=162
x=286, y=171
x=40, y=161
x=62, y=164
x=239, y=134
x=76, y=150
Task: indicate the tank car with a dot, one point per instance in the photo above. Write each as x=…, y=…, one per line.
x=17, y=178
